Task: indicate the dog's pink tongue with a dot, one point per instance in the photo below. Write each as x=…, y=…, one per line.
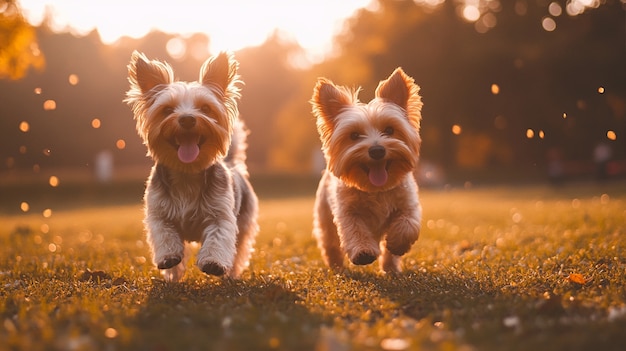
x=188, y=149
x=378, y=175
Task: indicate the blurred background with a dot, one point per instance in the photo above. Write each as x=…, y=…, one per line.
x=513, y=91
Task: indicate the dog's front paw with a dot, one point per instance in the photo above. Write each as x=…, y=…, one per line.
x=398, y=248
x=169, y=262
x=362, y=258
x=213, y=268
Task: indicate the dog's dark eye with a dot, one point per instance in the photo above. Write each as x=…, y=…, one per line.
x=167, y=111
x=388, y=131
x=206, y=109
x=354, y=135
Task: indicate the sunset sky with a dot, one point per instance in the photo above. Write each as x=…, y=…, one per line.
x=231, y=25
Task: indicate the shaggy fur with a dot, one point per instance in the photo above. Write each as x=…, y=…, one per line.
x=367, y=202
x=198, y=189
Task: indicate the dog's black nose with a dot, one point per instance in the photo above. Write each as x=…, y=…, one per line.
x=377, y=152
x=187, y=121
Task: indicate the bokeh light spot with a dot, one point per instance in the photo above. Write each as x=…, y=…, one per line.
x=47, y=152
x=47, y=213
x=495, y=89
x=601, y=90
x=530, y=133
x=471, y=13
x=49, y=105
x=24, y=126
x=456, y=129
x=95, y=123
x=37, y=91
x=24, y=206
x=53, y=181
x=611, y=135
x=555, y=9
x=176, y=48
x=72, y=79
x=23, y=149
x=120, y=144
x=110, y=333
x=548, y=24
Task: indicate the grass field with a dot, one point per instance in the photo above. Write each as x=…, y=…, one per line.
x=526, y=268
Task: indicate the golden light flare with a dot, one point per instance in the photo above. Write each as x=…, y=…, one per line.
x=95, y=123
x=611, y=135
x=24, y=126
x=47, y=213
x=72, y=79
x=495, y=89
x=37, y=91
x=110, y=333
x=24, y=206
x=601, y=90
x=49, y=105
x=456, y=129
x=541, y=134
x=53, y=181
x=47, y=152
x=471, y=13
x=120, y=144
x=530, y=133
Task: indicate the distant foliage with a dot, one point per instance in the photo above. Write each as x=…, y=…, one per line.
x=19, y=50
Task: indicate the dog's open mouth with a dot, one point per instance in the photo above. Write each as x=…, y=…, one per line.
x=377, y=172
x=188, y=146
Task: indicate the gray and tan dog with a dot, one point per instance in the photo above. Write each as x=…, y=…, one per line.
x=198, y=189
x=367, y=203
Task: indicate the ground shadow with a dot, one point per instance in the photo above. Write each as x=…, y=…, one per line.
x=491, y=317
x=220, y=314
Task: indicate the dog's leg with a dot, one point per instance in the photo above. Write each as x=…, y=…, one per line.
x=403, y=231
x=248, y=229
x=217, y=253
x=167, y=246
x=176, y=273
x=325, y=232
x=389, y=262
x=357, y=240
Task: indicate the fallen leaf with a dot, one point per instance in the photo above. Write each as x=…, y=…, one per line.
x=577, y=278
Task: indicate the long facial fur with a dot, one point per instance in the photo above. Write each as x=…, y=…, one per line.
x=158, y=101
x=340, y=116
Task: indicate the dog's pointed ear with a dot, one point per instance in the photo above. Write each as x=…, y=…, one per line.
x=220, y=70
x=401, y=90
x=144, y=74
x=328, y=99
x=397, y=88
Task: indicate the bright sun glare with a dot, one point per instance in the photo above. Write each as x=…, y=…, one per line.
x=230, y=25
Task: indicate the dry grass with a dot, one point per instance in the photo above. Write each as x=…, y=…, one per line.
x=495, y=268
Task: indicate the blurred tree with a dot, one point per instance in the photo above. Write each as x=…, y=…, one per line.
x=19, y=50
x=270, y=83
x=496, y=74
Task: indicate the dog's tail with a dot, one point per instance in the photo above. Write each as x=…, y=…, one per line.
x=236, y=157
